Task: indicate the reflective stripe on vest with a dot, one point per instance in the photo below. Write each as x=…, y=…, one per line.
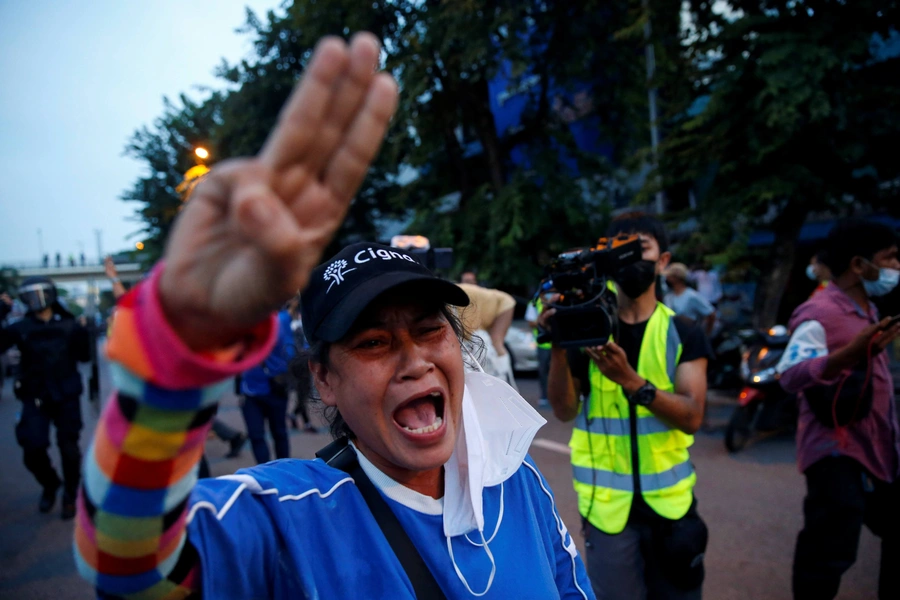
x=625, y=483
x=601, y=440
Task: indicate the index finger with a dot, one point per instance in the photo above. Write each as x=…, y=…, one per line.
x=593, y=353
x=307, y=104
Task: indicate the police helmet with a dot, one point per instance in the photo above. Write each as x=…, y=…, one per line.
x=37, y=293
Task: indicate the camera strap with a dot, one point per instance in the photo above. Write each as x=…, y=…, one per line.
x=340, y=455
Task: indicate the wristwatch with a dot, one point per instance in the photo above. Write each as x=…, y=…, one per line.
x=644, y=395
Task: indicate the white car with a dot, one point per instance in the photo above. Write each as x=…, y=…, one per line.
x=521, y=346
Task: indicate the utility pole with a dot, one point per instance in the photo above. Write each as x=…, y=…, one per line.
x=99, y=233
x=650, y=56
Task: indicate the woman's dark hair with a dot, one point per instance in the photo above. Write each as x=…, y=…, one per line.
x=640, y=222
x=856, y=237
x=318, y=352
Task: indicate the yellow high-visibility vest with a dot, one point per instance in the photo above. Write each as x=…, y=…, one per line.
x=601, y=440
x=540, y=308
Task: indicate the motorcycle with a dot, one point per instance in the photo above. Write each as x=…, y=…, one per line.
x=724, y=370
x=762, y=404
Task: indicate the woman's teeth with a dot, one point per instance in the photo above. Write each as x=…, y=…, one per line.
x=428, y=428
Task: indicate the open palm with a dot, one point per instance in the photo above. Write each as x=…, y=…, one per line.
x=255, y=228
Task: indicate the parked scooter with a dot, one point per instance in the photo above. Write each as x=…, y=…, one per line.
x=724, y=370
x=762, y=404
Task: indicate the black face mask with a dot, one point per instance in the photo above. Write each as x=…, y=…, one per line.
x=636, y=278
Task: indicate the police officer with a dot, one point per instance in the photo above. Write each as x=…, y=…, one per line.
x=49, y=386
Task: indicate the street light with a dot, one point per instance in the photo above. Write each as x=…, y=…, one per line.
x=139, y=245
x=193, y=175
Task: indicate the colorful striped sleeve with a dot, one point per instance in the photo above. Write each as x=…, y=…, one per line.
x=130, y=532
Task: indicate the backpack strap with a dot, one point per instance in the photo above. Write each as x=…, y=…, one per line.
x=340, y=455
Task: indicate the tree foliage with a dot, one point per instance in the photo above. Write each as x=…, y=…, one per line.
x=793, y=114
x=769, y=110
x=501, y=199
x=168, y=151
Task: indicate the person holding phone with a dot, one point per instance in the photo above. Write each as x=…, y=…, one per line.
x=848, y=433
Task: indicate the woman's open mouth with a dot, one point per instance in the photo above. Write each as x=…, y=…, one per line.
x=421, y=415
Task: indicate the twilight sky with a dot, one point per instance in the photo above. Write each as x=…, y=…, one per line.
x=76, y=79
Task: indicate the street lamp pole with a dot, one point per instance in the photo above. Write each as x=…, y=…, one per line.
x=650, y=56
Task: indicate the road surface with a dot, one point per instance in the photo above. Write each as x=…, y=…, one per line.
x=751, y=503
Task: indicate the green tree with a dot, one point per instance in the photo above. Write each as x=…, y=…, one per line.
x=797, y=115
x=505, y=216
x=505, y=200
x=168, y=151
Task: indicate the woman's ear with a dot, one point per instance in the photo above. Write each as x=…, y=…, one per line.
x=319, y=374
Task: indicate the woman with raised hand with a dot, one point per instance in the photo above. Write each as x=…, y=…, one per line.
x=427, y=453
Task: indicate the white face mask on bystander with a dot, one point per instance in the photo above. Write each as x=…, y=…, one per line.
x=885, y=284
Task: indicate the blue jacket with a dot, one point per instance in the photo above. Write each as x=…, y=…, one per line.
x=300, y=529
x=255, y=382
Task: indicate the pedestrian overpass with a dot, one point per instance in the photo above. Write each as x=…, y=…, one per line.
x=81, y=273
x=93, y=276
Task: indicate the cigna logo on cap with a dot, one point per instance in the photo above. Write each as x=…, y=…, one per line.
x=336, y=272
x=338, y=269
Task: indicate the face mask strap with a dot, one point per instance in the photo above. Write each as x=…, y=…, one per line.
x=462, y=578
x=496, y=529
x=472, y=358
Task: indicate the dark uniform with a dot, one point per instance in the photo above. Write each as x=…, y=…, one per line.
x=49, y=387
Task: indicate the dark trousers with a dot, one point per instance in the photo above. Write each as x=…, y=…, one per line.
x=841, y=497
x=259, y=409
x=302, y=383
x=33, y=435
x=637, y=564
x=223, y=431
x=543, y=356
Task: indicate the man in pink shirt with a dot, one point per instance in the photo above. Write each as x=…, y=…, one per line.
x=848, y=434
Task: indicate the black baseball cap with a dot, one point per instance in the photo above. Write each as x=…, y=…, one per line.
x=342, y=287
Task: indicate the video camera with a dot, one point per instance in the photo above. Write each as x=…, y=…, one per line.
x=586, y=312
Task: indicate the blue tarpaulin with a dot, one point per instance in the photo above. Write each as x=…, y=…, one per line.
x=815, y=231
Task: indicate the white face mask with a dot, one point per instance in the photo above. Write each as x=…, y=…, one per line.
x=811, y=272
x=497, y=428
x=885, y=284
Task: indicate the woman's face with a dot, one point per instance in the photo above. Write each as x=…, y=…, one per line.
x=397, y=379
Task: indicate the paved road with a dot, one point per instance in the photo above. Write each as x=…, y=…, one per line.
x=751, y=502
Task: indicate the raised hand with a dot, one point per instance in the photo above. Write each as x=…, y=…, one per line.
x=109, y=267
x=613, y=363
x=255, y=228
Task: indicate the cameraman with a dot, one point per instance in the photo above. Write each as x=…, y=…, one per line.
x=636, y=402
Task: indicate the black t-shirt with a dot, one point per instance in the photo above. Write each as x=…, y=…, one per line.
x=694, y=345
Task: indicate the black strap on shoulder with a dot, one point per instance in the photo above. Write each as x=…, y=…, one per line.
x=340, y=455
